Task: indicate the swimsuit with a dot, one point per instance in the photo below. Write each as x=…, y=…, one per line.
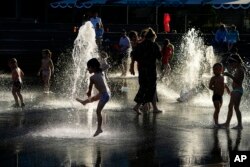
x=46, y=73
x=17, y=85
x=217, y=97
x=104, y=97
x=238, y=90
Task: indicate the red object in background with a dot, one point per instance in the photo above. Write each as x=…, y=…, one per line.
x=166, y=21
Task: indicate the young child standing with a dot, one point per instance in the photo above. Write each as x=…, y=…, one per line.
x=217, y=85
x=17, y=75
x=47, y=68
x=236, y=64
x=99, y=81
x=167, y=53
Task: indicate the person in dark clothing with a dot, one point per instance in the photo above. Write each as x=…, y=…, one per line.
x=146, y=54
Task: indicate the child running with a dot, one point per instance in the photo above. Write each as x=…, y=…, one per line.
x=99, y=81
x=217, y=85
x=236, y=64
x=17, y=75
x=47, y=68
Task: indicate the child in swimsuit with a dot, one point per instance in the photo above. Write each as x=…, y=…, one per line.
x=99, y=81
x=46, y=69
x=17, y=75
x=217, y=85
x=237, y=64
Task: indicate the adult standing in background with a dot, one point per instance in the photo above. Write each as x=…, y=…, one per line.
x=125, y=48
x=95, y=19
x=221, y=38
x=232, y=37
x=146, y=54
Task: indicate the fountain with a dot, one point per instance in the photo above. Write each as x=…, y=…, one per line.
x=85, y=48
x=194, y=64
x=71, y=77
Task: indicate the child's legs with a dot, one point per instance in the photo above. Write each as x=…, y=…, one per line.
x=124, y=66
x=217, y=106
x=237, y=108
x=14, y=93
x=104, y=98
x=46, y=79
x=230, y=108
x=20, y=96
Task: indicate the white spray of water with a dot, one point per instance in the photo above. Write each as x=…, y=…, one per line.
x=195, y=62
x=85, y=48
x=192, y=50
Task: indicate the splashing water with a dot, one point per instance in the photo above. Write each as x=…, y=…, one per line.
x=194, y=59
x=85, y=48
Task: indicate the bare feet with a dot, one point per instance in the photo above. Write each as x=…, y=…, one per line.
x=146, y=107
x=157, y=111
x=81, y=101
x=238, y=127
x=216, y=126
x=98, y=131
x=224, y=126
x=138, y=112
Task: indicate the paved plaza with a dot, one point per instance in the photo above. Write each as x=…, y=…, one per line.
x=53, y=130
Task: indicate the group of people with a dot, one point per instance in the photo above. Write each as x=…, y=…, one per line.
x=145, y=52
x=45, y=72
x=226, y=38
x=217, y=85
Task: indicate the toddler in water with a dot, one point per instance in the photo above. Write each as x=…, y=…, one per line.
x=17, y=75
x=99, y=81
x=217, y=85
x=47, y=68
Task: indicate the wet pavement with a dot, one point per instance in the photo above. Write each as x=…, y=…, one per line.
x=52, y=130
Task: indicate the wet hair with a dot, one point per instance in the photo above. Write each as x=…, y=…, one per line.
x=217, y=65
x=132, y=34
x=47, y=52
x=235, y=58
x=150, y=34
x=166, y=41
x=233, y=27
x=222, y=27
x=13, y=61
x=94, y=63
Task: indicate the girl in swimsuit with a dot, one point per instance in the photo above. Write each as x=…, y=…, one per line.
x=236, y=63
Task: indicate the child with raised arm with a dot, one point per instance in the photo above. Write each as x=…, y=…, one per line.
x=98, y=80
x=217, y=85
x=236, y=64
x=46, y=69
x=17, y=75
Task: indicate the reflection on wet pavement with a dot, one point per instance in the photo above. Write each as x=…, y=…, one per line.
x=53, y=130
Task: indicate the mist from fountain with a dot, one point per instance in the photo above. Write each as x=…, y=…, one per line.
x=193, y=65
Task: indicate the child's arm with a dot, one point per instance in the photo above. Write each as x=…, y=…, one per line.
x=90, y=87
x=39, y=71
x=22, y=73
x=237, y=79
x=211, y=84
x=51, y=66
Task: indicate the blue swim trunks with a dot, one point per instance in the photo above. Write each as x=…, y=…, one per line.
x=104, y=97
x=238, y=90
